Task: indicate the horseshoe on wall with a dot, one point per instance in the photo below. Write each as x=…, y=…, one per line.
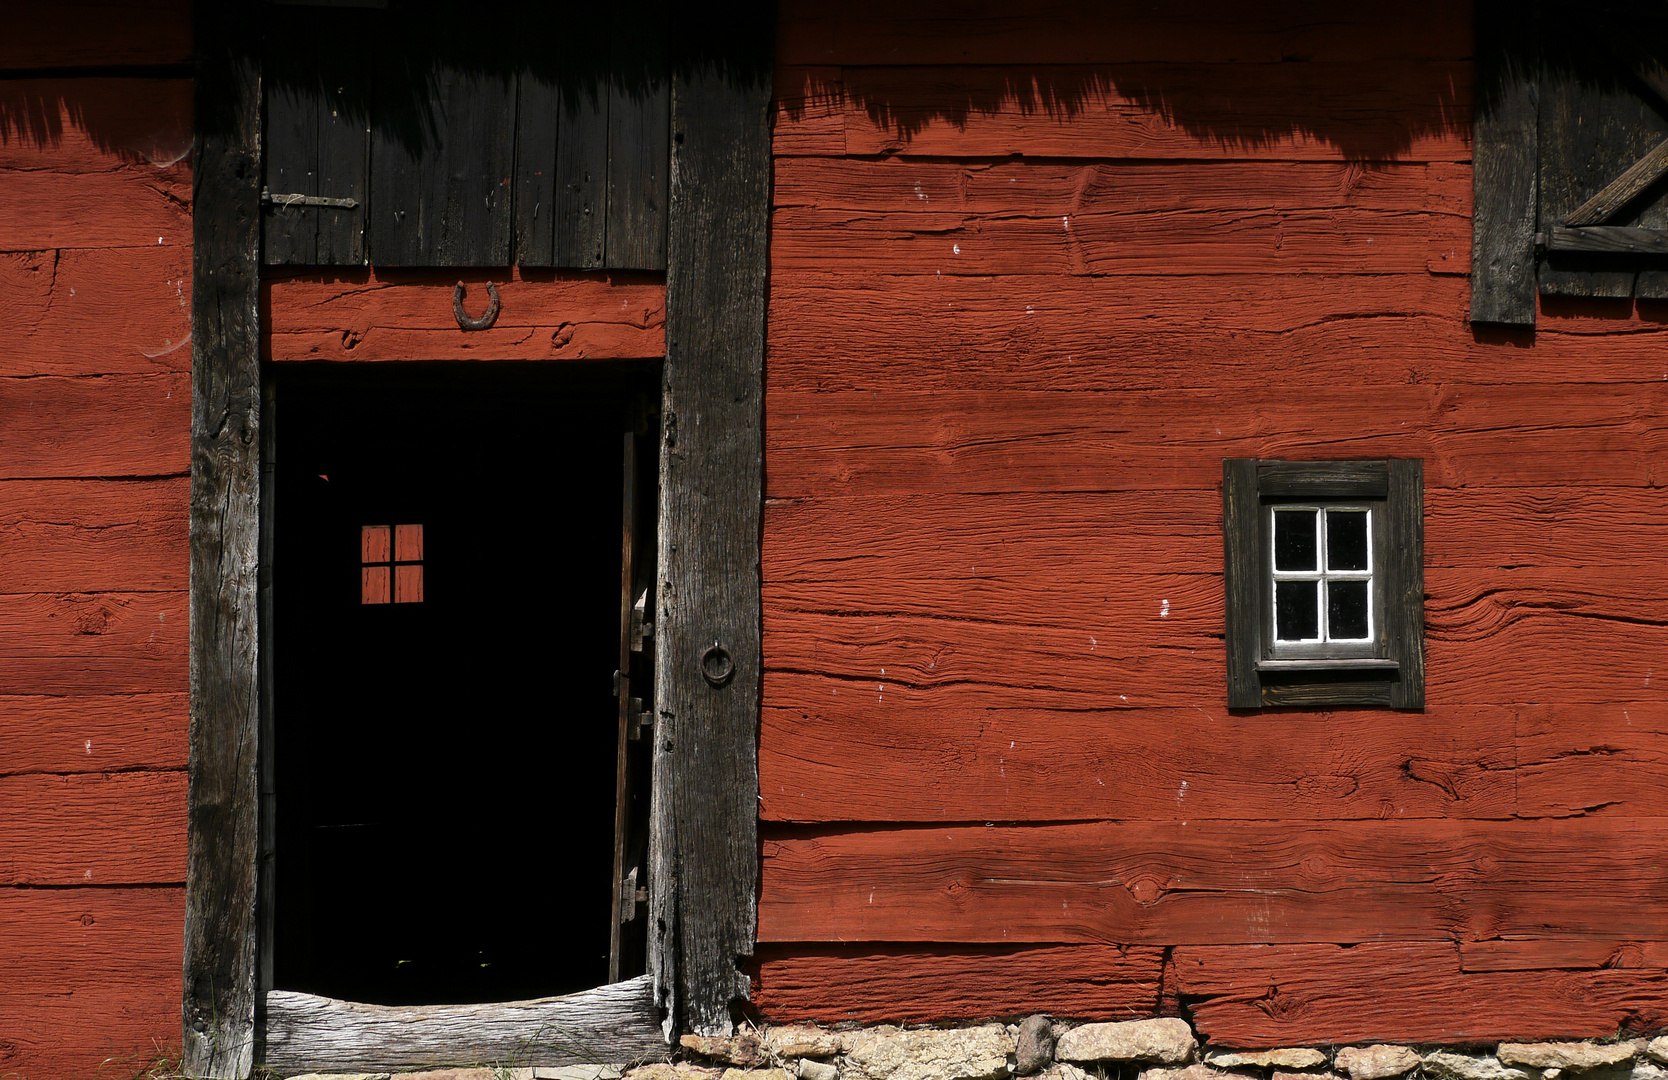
x=486, y=320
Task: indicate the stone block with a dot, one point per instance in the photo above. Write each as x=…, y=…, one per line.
x=1166, y=1040
x=1445, y=1065
x=888, y=1053
x=1574, y=1056
x=1291, y=1058
x=1034, y=1048
x=1377, y=1062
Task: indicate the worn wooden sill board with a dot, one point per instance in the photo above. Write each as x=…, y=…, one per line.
x=614, y=1024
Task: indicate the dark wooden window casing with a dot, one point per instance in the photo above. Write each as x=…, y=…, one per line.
x=703, y=848
x=1389, y=669
x=1570, y=130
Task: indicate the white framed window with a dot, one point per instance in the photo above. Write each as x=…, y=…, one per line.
x=1321, y=567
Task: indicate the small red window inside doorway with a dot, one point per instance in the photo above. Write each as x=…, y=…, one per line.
x=391, y=564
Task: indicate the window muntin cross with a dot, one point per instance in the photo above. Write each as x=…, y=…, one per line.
x=391, y=564
x=1321, y=563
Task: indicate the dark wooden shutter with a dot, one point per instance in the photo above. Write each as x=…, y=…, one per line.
x=1571, y=145
x=417, y=135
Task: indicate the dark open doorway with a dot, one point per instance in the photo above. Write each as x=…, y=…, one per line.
x=445, y=719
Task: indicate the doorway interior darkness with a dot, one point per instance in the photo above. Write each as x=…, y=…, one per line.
x=445, y=767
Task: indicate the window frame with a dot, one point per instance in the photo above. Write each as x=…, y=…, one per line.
x=1385, y=670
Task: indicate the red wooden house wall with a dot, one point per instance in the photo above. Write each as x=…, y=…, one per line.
x=1036, y=270
x=1034, y=274
x=95, y=417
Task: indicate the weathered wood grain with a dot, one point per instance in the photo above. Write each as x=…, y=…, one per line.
x=990, y=32
x=703, y=835
x=1405, y=111
x=639, y=136
x=218, y=1001
x=93, y=535
x=389, y=315
x=836, y=331
x=902, y=985
x=1609, y=759
x=98, y=34
x=95, y=312
x=92, y=734
x=616, y=1023
x=89, y=979
x=1116, y=218
x=1261, y=996
x=830, y=751
x=106, y=425
x=1529, y=435
x=100, y=829
x=1216, y=882
x=1544, y=954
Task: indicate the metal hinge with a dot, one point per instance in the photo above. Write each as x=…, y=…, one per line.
x=631, y=896
x=640, y=719
x=642, y=627
x=307, y=200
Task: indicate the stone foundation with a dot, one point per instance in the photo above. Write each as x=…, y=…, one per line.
x=1161, y=1049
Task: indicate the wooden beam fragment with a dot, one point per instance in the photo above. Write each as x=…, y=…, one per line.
x=1609, y=239
x=615, y=1024
x=1622, y=190
x=1504, y=175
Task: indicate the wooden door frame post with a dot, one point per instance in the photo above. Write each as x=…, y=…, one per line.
x=704, y=847
x=221, y=851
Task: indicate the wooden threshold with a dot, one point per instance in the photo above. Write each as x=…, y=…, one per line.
x=616, y=1024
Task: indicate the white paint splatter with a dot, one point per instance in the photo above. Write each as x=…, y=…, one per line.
x=1164, y=609
x=919, y=194
x=89, y=747
x=956, y=248
x=1181, y=792
x=159, y=241
x=1092, y=644
x=1065, y=223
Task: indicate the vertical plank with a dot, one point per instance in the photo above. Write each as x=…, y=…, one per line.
x=344, y=133
x=1505, y=163
x=220, y=923
x=1405, y=589
x=1241, y=581
x=290, y=233
x=441, y=160
x=622, y=771
x=704, y=831
x=582, y=149
x=537, y=123
x=266, y=869
x=638, y=148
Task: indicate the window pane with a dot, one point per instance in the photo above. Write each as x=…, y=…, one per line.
x=1346, y=540
x=1346, y=609
x=1294, y=540
x=1296, y=615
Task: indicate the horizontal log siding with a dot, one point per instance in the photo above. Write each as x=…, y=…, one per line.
x=1035, y=273
x=95, y=400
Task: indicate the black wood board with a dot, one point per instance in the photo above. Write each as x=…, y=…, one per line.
x=1504, y=173
x=1405, y=580
x=1322, y=479
x=220, y=959
x=538, y=126
x=638, y=137
x=442, y=154
x=1242, y=577
x=317, y=138
x=704, y=841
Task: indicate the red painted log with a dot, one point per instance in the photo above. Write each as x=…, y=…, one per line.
x=95, y=312
x=93, y=535
x=868, y=331
x=1609, y=759
x=101, y=829
x=1577, y=954
x=830, y=752
x=1215, y=882
x=92, y=734
x=408, y=316
x=993, y=441
x=871, y=32
x=1379, y=111
x=90, y=33
x=92, y=125
x=93, y=643
x=106, y=426
x=89, y=980
x=1301, y=995
x=876, y=984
